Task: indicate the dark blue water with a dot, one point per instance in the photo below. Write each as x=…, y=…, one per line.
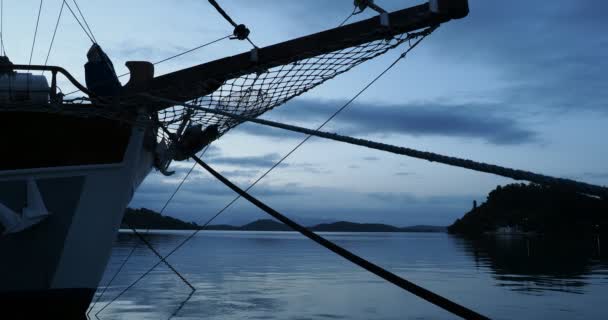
x=271, y=275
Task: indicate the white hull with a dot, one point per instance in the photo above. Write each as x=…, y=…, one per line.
x=71, y=247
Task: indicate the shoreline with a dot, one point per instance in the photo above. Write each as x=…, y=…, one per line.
x=128, y=230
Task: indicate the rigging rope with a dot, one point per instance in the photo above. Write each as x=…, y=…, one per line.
x=79, y=23
x=348, y=18
x=258, y=90
x=364, y=4
x=190, y=50
x=336, y=113
x=149, y=245
x=181, y=244
x=161, y=260
x=181, y=305
x=240, y=30
x=181, y=183
x=404, y=284
x=105, y=288
x=170, y=58
x=161, y=212
x=223, y=13
x=2, y=27
x=35, y=33
x=48, y=54
x=85, y=21
x=217, y=214
x=515, y=174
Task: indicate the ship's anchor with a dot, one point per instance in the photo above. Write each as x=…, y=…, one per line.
x=32, y=214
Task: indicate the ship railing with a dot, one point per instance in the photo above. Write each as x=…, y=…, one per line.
x=54, y=70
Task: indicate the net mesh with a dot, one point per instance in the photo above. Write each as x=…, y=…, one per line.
x=249, y=94
x=252, y=94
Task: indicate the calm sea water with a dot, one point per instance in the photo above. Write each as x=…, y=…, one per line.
x=281, y=275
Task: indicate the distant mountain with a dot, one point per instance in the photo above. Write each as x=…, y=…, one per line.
x=243, y=219
x=265, y=225
x=344, y=226
x=144, y=218
x=222, y=227
x=423, y=228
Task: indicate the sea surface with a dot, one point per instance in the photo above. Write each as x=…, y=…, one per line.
x=281, y=275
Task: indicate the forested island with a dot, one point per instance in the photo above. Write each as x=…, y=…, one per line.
x=532, y=208
x=145, y=218
x=148, y=219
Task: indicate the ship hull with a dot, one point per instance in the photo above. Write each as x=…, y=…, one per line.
x=46, y=304
x=53, y=267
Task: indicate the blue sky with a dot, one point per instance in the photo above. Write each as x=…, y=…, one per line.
x=518, y=83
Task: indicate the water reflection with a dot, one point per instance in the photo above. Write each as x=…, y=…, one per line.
x=533, y=264
x=268, y=275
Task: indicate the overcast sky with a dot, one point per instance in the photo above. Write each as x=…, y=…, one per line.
x=517, y=83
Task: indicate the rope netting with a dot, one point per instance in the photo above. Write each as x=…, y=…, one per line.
x=258, y=91
x=249, y=93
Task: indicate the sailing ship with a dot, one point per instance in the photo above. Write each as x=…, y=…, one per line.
x=71, y=166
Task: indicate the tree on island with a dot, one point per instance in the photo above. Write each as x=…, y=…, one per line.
x=535, y=208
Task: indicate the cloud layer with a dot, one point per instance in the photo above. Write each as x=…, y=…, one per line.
x=422, y=119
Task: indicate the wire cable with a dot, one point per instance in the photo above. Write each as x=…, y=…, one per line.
x=390, y=277
x=35, y=33
x=79, y=23
x=348, y=103
x=191, y=50
x=217, y=214
x=169, y=58
x=149, y=245
x=2, y=27
x=223, y=12
x=122, y=265
x=516, y=174
x=234, y=24
x=48, y=54
x=348, y=18
x=162, y=259
x=179, y=186
x=85, y=21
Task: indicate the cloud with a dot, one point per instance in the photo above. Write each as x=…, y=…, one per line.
x=202, y=197
x=371, y=158
x=310, y=168
x=404, y=174
x=267, y=132
x=263, y=161
x=404, y=199
x=247, y=166
x=416, y=119
x=550, y=55
x=142, y=50
x=213, y=151
x=596, y=175
x=240, y=173
x=200, y=189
